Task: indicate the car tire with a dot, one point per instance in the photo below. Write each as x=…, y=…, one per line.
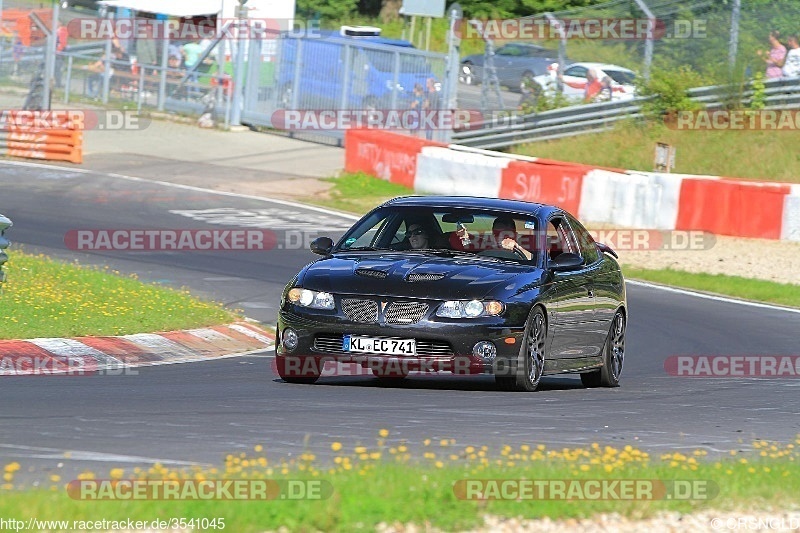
x=613, y=357
x=527, y=373
x=309, y=373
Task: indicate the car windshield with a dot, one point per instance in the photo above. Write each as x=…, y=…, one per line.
x=489, y=234
x=621, y=77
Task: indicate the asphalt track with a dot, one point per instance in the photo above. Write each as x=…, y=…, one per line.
x=197, y=413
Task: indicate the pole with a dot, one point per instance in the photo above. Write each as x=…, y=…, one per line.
x=562, y=48
x=50, y=57
x=107, y=69
x=734, y=42
x=451, y=82
x=648, y=45
x=238, y=78
x=413, y=24
x=428, y=35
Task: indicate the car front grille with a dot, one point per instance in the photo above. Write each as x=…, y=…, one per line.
x=364, y=311
x=370, y=273
x=424, y=277
x=405, y=312
x=332, y=343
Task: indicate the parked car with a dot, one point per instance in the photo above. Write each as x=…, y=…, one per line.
x=516, y=64
x=576, y=77
x=405, y=289
x=365, y=80
x=90, y=5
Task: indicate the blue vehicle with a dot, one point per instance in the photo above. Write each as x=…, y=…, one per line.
x=354, y=68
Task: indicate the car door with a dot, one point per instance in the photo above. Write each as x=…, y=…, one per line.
x=574, y=331
x=575, y=81
x=505, y=62
x=600, y=280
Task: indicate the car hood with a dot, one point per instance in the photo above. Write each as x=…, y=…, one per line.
x=394, y=274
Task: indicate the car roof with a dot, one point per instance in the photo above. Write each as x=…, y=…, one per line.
x=331, y=35
x=468, y=202
x=601, y=66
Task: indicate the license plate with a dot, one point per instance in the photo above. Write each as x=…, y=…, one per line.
x=356, y=343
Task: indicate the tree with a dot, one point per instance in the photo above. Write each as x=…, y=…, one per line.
x=338, y=10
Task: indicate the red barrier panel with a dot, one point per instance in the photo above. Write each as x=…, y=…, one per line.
x=390, y=156
x=730, y=207
x=546, y=183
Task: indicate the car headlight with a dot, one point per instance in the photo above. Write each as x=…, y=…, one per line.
x=313, y=299
x=470, y=309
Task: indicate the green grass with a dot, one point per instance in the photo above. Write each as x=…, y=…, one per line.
x=384, y=483
x=47, y=298
x=358, y=193
x=762, y=155
x=738, y=287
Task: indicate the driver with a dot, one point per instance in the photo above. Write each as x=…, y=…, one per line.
x=417, y=237
x=503, y=237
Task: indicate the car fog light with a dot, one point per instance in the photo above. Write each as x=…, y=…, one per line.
x=290, y=339
x=485, y=350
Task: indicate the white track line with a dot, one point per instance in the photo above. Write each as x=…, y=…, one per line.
x=712, y=297
x=353, y=217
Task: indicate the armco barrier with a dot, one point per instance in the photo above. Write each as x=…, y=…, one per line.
x=5, y=223
x=647, y=200
x=64, y=142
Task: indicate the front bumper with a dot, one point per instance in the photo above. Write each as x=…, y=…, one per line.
x=442, y=345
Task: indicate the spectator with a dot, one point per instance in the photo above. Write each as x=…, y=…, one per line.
x=419, y=103
x=17, y=51
x=146, y=50
x=775, y=57
x=432, y=102
x=62, y=38
x=191, y=56
x=791, y=63
x=593, y=85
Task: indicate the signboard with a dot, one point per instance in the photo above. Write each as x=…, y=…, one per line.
x=423, y=8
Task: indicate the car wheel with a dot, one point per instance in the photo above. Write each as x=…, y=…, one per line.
x=531, y=358
x=467, y=74
x=613, y=357
x=307, y=374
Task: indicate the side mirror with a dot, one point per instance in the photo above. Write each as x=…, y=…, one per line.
x=566, y=262
x=322, y=245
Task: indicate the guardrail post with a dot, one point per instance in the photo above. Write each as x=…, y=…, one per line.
x=5, y=223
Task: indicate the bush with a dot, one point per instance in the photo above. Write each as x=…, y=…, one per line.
x=670, y=91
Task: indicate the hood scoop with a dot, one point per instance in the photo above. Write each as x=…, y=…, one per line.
x=371, y=273
x=431, y=276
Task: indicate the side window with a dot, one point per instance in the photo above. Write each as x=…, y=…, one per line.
x=577, y=72
x=559, y=238
x=586, y=243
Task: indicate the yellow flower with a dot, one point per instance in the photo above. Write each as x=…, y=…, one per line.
x=383, y=433
x=360, y=449
x=258, y=448
x=55, y=478
x=336, y=446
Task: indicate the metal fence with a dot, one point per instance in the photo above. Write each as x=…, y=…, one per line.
x=347, y=79
x=595, y=118
x=5, y=223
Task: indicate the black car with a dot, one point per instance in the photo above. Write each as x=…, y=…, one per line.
x=516, y=65
x=458, y=284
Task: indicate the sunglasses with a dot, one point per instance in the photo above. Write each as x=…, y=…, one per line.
x=415, y=232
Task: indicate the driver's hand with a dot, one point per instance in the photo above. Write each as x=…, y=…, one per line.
x=508, y=243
